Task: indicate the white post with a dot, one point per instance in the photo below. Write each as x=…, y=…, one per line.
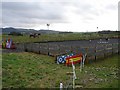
x=74, y=75
x=81, y=65
x=84, y=59
x=82, y=62
x=61, y=85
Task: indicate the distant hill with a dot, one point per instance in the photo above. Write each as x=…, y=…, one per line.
x=43, y=31
x=10, y=29
x=108, y=32
x=26, y=31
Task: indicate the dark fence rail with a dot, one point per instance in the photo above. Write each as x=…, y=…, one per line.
x=93, y=52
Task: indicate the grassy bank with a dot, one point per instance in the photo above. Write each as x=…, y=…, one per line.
x=30, y=70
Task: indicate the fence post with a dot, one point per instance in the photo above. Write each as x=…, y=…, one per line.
x=48, y=48
x=86, y=51
x=95, y=52
x=104, y=51
x=71, y=49
x=118, y=52
x=39, y=48
x=107, y=50
x=25, y=47
x=112, y=48
x=30, y=47
x=59, y=49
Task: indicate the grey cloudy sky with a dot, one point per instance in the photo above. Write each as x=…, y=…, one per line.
x=63, y=15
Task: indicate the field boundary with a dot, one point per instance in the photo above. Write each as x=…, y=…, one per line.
x=93, y=52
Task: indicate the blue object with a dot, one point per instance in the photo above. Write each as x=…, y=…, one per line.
x=62, y=59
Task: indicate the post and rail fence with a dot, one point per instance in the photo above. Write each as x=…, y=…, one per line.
x=93, y=52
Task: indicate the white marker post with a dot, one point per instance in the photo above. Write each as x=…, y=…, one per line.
x=82, y=62
x=61, y=85
x=81, y=65
x=84, y=57
x=74, y=75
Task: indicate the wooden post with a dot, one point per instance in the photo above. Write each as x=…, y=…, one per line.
x=39, y=48
x=104, y=50
x=95, y=52
x=59, y=49
x=48, y=48
x=25, y=49
x=118, y=48
x=86, y=51
x=71, y=49
x=30, y=47
x=112, y=48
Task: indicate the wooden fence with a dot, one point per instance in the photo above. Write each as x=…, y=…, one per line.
x=94, y=52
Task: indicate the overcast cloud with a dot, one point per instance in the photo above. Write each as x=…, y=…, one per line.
x=72, y=15
x=25, y=12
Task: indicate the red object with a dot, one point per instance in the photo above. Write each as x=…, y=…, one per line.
x=75, y=59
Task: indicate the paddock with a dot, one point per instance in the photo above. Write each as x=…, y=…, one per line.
x=95, y=49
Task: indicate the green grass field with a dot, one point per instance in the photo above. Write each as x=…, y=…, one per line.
x=29, y=70
x=58, y=37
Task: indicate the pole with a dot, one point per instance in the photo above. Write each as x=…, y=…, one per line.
x=74, y=75
x=81, y=65
x=61, y=85
x=82, y=62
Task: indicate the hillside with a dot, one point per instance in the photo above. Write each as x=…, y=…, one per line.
x=26, y=31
